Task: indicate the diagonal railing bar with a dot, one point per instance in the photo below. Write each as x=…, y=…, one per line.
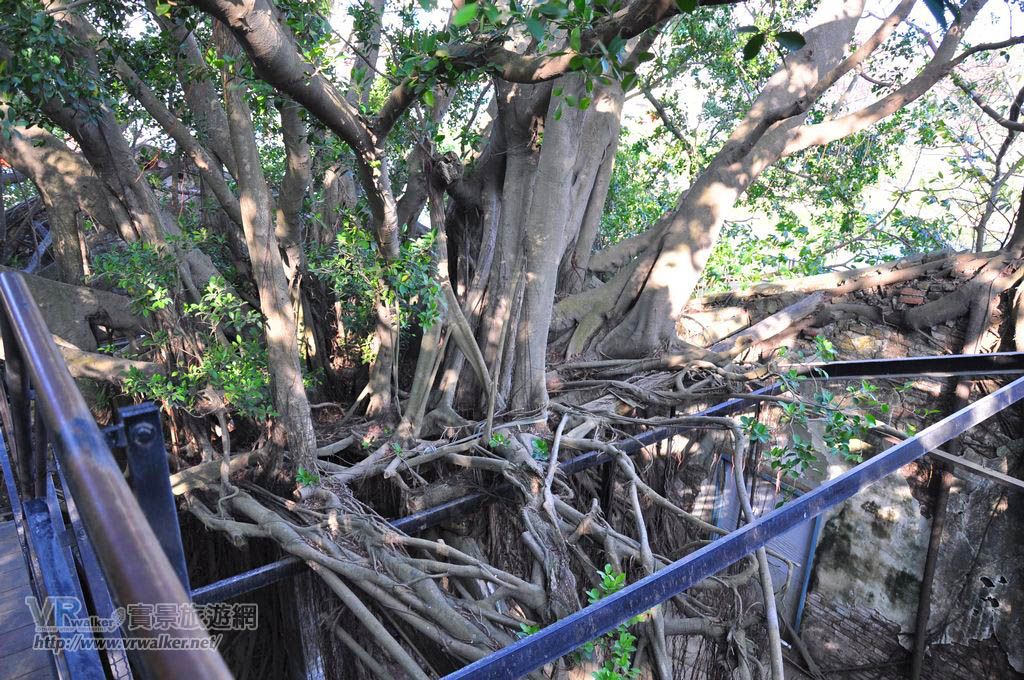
x=941, y=366
x=570, y=633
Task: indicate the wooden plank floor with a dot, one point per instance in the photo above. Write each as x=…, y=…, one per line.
x=18, y=661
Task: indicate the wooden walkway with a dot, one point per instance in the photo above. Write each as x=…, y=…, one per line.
x=17, y=658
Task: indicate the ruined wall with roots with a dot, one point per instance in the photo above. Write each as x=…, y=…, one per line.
x=859, y=614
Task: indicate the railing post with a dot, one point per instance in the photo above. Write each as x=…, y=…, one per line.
x=151, y=482
x=17, y=392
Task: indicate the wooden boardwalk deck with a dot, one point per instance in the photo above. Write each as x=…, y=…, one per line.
x=18, y=661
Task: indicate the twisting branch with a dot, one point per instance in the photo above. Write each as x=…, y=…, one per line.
x=941, y=64
x=1010, y=122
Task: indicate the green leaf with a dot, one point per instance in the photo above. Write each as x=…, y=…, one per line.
x=163, y=8
x=465, y=15
x=554, y=9
x=686, y=6
x=753, y=46
x=574, y=39
x=791, y=40
x=536, y=28
x=306, y=478
x=428, y=98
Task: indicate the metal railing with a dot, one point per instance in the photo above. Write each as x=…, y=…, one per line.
x=959, y=365
x=569, y=634
x=44, y=411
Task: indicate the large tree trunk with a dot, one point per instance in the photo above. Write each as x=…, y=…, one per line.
x=643, y=311
x=638, y=308
x=536, y=210
x=574, y=150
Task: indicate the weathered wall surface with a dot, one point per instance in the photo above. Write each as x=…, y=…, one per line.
x=863, y=596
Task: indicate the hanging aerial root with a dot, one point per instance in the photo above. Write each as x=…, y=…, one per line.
x=351, y=550
x=408, y=592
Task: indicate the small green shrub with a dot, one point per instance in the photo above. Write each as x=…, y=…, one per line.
x=618, y=646
x=358, y=278
x=541, y=449
x=306, y=478
x=234, y=359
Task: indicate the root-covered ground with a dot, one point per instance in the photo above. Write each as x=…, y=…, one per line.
x=427, y=604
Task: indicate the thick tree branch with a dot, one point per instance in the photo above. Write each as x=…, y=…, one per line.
x=263, y=34
x=939, y=67
x=289, y=395
x=277, y=60
x=756, y=123
x=196, y=78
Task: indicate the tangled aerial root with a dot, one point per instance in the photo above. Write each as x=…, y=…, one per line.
x=415, y=596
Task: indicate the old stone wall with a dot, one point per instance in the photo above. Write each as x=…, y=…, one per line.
x=859, y=613
x=871, y=645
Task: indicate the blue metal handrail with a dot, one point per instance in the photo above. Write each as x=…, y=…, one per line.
x=134, y=566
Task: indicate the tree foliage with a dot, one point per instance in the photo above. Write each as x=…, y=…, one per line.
x=467, y=227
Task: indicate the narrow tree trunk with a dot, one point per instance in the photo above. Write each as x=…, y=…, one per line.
x=382, y=368
x=290, y=228
x=289, y=395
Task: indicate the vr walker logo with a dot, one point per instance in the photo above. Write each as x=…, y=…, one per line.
x=60, y=624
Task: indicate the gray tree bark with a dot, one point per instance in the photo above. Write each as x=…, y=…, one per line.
x=289, y=394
